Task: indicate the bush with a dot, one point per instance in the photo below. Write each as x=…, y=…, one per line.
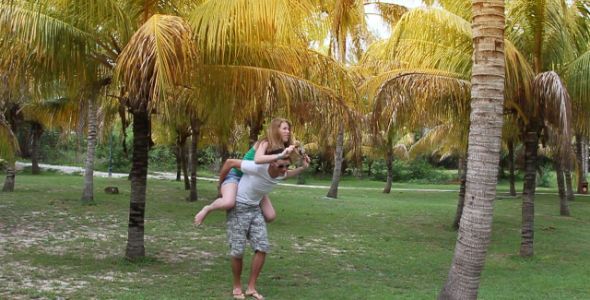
x=545, y=177
x=419, y=171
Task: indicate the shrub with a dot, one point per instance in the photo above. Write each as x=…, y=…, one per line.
x=418, y=170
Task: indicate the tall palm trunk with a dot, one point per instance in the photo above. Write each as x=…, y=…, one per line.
x=569, y=189
x=461, y=201
x=582, y=161
x=485, y=132
x=196, y=128
x=563, y=206
x=36, y=132
x=511, y=168
x=10, y=177
x=88, y=192
x=135, y=236
x=531, y=145
x=184, y=162
x=333, y=192
x=389, y=164
x=177, y=154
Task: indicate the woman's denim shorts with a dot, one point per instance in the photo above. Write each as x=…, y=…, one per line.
x=232, y=177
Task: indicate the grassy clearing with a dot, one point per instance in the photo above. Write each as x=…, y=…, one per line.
x=364, y=245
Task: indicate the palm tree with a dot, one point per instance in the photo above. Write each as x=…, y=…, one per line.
x=484, y=151
x=557, y=23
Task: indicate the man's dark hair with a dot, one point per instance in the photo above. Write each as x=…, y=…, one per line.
x=276, y=151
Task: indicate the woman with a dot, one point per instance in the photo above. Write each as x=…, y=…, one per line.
x=278, y=137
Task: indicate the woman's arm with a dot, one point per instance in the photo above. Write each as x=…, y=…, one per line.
x=262, y=158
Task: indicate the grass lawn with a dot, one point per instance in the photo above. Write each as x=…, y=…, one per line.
x=364, y=245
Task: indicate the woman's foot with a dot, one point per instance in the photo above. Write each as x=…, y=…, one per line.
x=200, y=216
x=254, y=294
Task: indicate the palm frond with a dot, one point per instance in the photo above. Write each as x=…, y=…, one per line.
x=220, y=26
x=460, y=8
x=56, y=40
x=443, y=41
x=390, y=12
x=248, y=90
x=552, y=93
x=444, y=139
x=156, y=59
x=415, y=98
x=576, y=77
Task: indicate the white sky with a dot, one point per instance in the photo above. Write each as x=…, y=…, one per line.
x=376, y=25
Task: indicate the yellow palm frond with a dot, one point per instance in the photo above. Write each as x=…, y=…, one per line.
x=391, y=13
x=415, y=98
x=221, y=25
x=445, y=139
x=156, y=59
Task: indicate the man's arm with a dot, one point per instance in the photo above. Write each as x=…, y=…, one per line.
x=227, y=166
x=299, y=170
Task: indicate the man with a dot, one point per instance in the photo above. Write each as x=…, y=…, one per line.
x=246, y=222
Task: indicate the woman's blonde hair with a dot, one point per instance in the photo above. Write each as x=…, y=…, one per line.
x=273, y=135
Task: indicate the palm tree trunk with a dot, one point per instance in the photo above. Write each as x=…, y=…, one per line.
x=36, y=132
x=196, y=127
x=569, y=189
x=485, y=133
x=582, y=158
x=177, y=154
x=389, y=163
x=88, y=192
x=184, y=161
x=255, y=127
x=511, y=167
x=10, y=177
x=461, y=201
x=563, y=207
x=333, y=192
x=135, y=236
x=531, y=145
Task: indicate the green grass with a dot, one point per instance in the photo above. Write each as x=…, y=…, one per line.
x=364, y=245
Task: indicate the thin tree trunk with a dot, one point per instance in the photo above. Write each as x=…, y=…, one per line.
x=563, y=207
x=333, y=192
x=581, y=156
x=485, y=133
x=184, y=161
x=10, y=180
x=177, y=154
x=10, y=177
x=88, y=192
x=511, y=167
x=461, y=201
x=36, y=132
x=531, y=145
x=255, y=127
x=196, y=128
x=389, y=164
x=569, y=189
x=135, y=236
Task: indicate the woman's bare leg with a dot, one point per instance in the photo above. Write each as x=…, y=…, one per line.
x=268, y=211
x=227, y=201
